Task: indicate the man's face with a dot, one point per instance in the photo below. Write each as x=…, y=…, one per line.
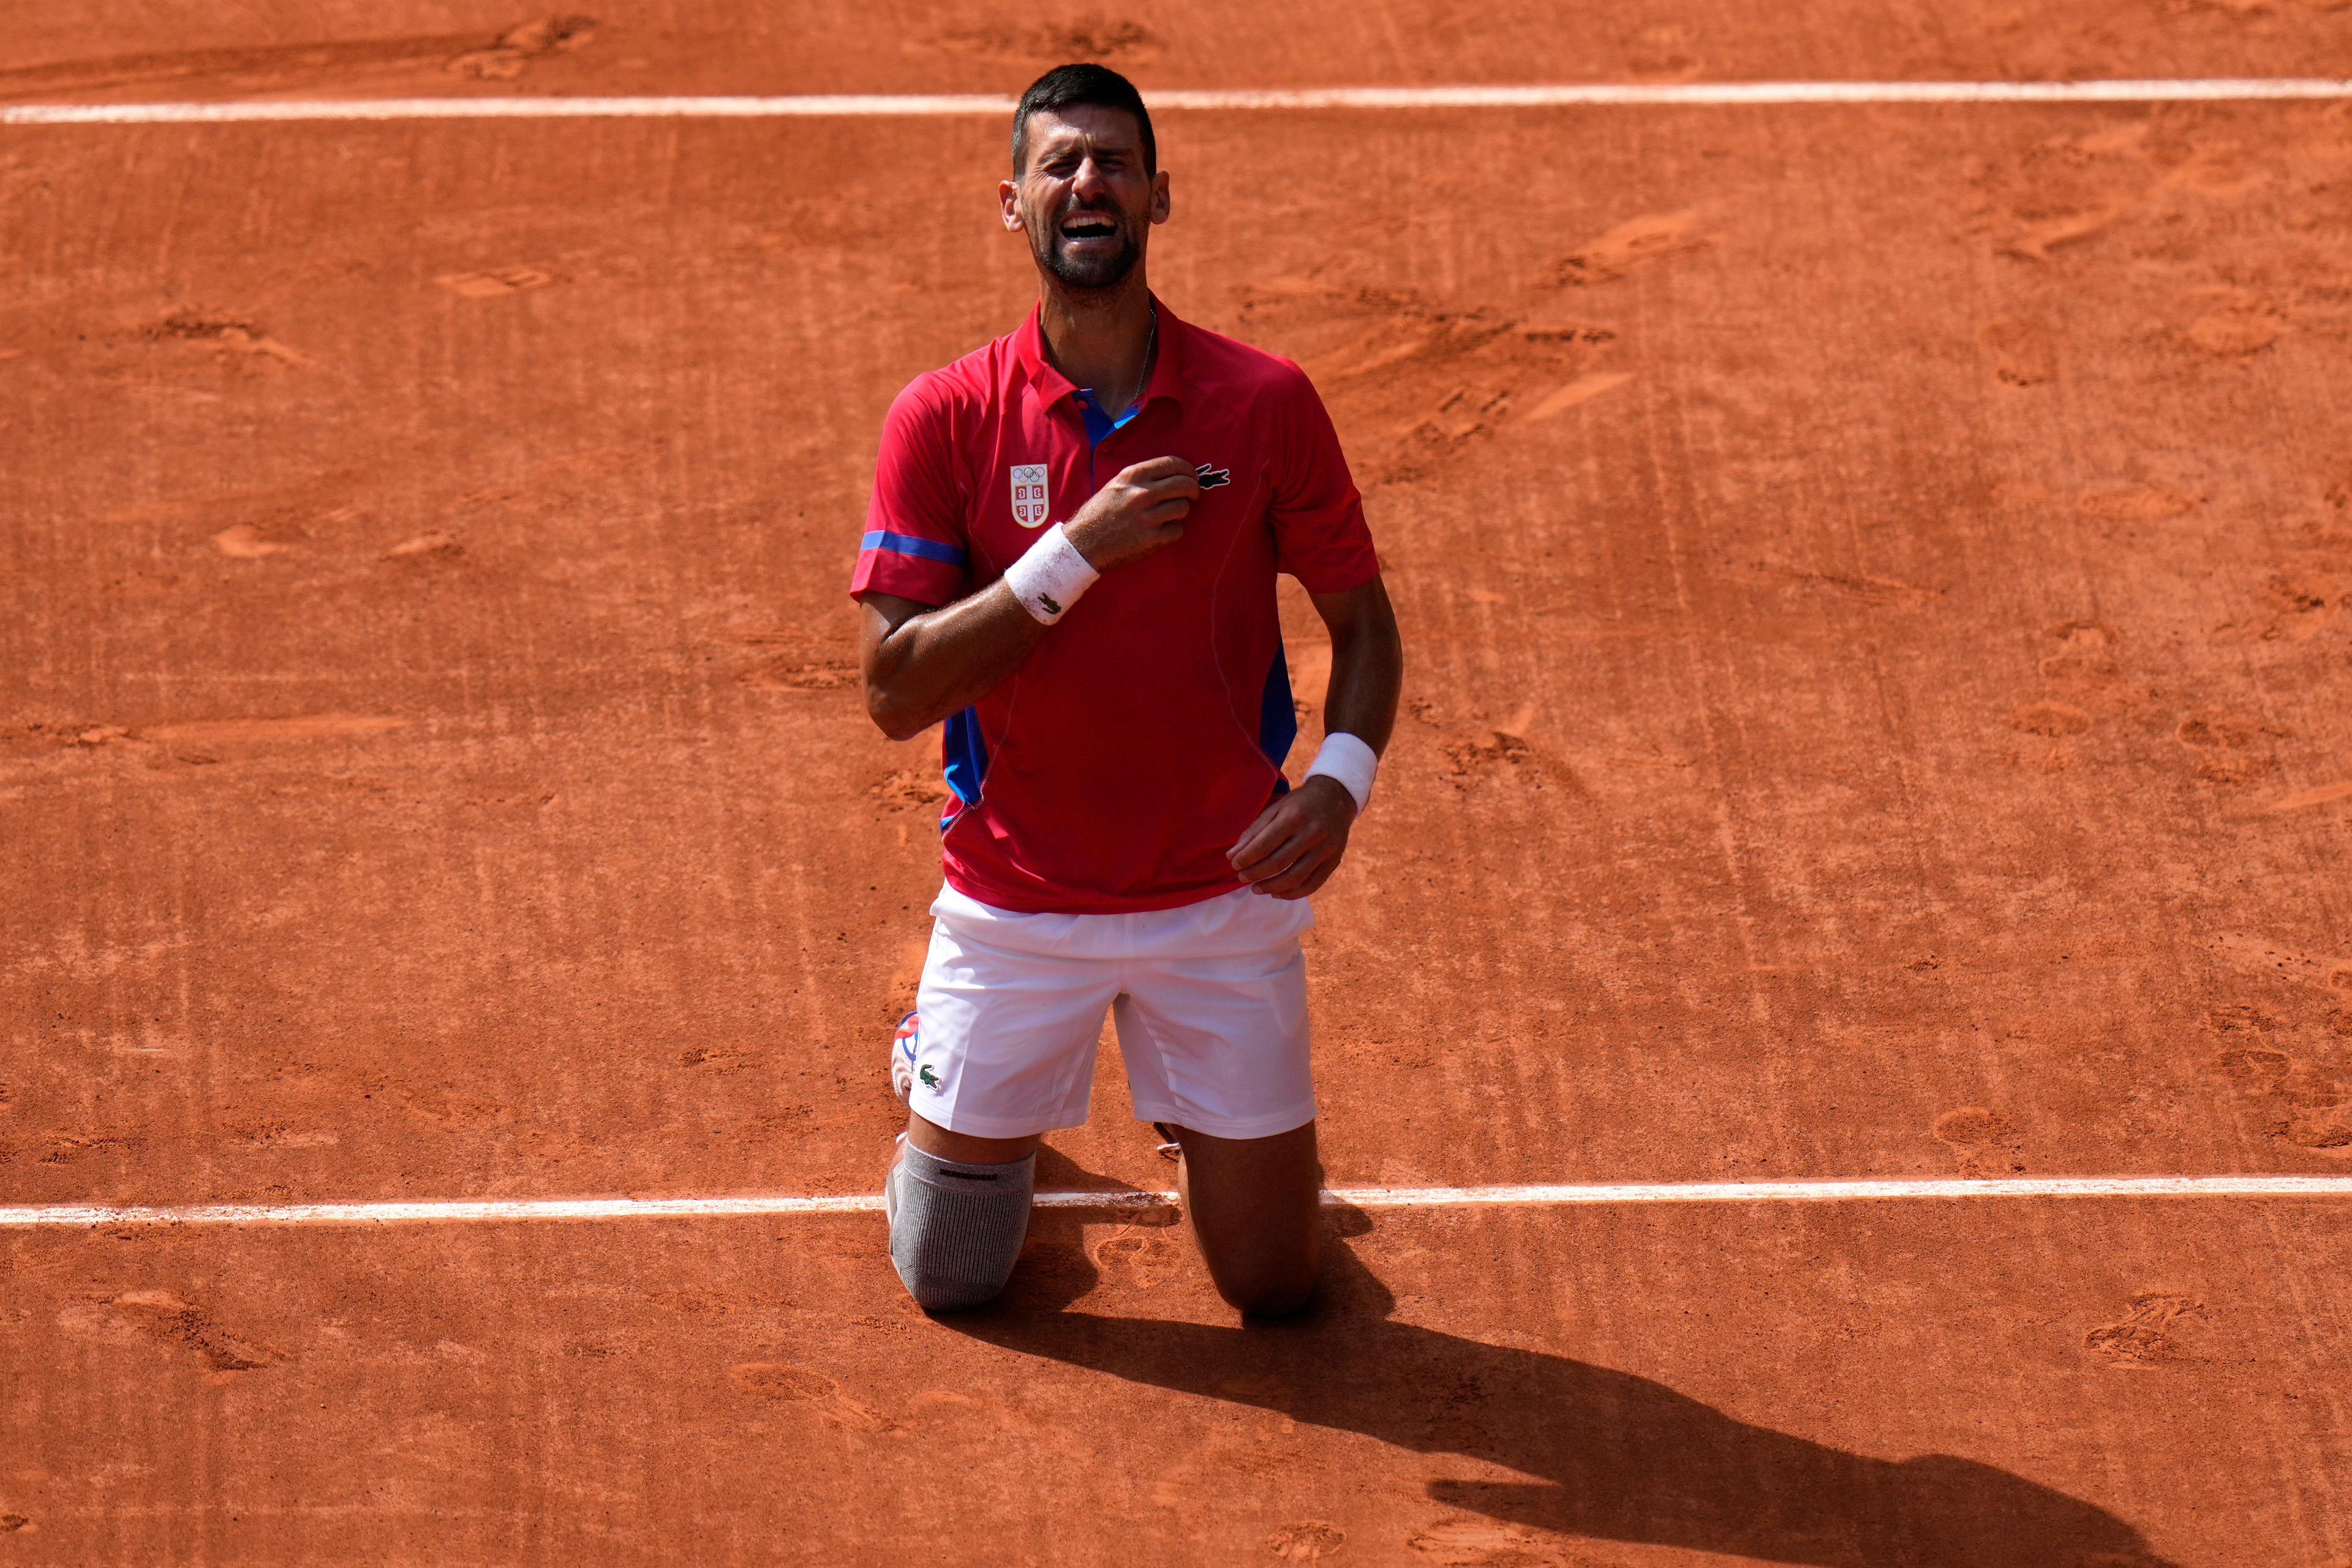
x=1084, y=199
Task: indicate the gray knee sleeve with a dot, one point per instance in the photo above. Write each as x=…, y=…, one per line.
x=955, y=1229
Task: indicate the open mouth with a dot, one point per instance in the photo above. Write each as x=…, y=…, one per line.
x=1086, y=226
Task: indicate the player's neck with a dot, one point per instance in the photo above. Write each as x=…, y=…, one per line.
x=1099, y=338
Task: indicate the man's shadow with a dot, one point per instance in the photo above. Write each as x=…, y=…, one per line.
x=1613, y=1456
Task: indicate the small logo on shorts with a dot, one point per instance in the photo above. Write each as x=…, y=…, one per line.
x=1212, y=477
x=1029, y=502
x=930, y=1080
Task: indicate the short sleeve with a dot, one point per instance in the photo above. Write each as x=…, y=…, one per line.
x=1319, y=534
x=914, y=545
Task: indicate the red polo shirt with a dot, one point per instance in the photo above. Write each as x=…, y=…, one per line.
x=1113, y=770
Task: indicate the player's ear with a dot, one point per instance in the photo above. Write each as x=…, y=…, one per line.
x=1008, y=196
x=1159, y=196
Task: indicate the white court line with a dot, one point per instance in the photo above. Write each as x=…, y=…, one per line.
x=2204, y=89
x=85, y=1216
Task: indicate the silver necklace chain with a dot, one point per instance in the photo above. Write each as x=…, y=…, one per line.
x=1151, y=350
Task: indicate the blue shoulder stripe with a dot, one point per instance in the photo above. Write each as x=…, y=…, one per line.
x=908, y=545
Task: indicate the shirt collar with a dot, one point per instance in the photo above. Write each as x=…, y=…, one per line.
x=1167, y=366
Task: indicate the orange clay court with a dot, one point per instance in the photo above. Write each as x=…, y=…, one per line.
x=1879, y=707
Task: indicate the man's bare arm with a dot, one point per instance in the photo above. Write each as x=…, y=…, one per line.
x=1367, y=663
x=919, y=664
x=1297, y=843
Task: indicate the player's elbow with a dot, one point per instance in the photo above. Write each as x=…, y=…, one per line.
x=892, y=714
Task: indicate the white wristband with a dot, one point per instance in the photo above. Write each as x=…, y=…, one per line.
x=1349, y=760
x=1050, y=576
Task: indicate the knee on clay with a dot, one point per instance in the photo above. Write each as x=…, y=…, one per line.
x=955, y=1229
x=947, y=1290
x=1280, y=1290
x=1288, y=1301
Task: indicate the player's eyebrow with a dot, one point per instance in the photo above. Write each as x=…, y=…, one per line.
x=1105, y=150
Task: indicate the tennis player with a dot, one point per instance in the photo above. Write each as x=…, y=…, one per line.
x=1070, y=559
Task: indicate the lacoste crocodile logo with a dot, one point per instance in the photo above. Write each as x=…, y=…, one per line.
x=1211, y=477
x=930, y=1080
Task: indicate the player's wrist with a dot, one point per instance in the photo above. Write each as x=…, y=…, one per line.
x=1051, y=575
x=1081, y=531
x=1331, y=793
x=1347, y=760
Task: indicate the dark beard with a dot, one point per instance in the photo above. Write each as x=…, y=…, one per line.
x=1093, y=273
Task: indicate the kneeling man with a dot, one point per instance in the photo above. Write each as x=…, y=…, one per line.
x=1070, y=559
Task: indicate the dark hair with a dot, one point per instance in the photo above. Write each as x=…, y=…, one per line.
x=1067, y=86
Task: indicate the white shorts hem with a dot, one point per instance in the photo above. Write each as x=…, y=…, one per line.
x=1266, y=1126
x=972, y=1126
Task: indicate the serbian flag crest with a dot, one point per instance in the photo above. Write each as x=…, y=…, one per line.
x=1029, y=503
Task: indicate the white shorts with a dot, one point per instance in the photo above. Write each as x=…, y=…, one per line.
x=1211, y=999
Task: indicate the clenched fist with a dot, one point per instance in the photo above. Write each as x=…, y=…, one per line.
x=1141, y=511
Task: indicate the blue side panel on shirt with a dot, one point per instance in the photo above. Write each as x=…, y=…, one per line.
x=1277, y=721
x=966, y=757
x=908, y=545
